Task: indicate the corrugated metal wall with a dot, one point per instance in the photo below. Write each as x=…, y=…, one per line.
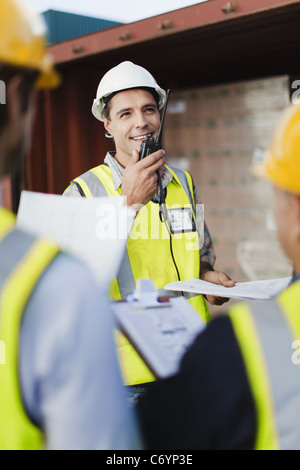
x=216, y=133
x=68, y=139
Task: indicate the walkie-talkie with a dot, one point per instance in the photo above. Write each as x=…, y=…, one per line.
x=150, y=145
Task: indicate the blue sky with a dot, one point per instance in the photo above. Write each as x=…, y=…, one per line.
x=124, y=11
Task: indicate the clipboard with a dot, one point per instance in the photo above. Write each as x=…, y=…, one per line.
x=160, y=331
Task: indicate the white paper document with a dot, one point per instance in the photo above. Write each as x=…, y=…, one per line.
x=93, y=229
x=160, y=334
x=252, y=290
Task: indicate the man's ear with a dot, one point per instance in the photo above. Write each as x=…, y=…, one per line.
x=107, y=127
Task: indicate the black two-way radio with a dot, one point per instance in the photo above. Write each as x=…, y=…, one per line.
x=151, y=145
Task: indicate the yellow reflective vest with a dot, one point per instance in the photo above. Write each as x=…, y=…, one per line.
x=149, y=253
x=23, y=259
x=269, y=338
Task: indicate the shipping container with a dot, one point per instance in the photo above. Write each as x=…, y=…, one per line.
x=207, y=54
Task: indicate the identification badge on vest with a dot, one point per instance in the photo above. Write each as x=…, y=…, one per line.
x=181, y=220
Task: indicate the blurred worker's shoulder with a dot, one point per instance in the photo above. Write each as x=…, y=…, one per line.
x=217, y=342
x=68, y=275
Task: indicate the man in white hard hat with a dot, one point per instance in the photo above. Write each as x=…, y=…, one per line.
x=60, y=382
x=247, y=395
x=129, y=102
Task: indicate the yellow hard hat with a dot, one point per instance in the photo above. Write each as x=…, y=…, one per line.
x=282, y=163
x=23, y=41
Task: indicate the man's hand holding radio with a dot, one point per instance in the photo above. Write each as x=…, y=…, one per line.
x=139, y=182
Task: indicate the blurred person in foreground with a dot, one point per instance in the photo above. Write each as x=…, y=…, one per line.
x=239, y=384
x=60, y=383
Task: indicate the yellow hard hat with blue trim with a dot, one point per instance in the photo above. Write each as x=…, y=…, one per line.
x=281, y=165
x=23, y=41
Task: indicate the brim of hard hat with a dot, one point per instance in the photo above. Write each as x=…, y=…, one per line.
x=48, y=76
x=262, y=171
x=259, y=170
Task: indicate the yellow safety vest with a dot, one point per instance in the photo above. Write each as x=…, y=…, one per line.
x=23, y=259
x=268, y=334
x=148, y=253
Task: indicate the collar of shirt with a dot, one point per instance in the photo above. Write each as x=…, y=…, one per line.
x=117, y=171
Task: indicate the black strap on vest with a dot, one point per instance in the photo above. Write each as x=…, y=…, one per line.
x=79, y=188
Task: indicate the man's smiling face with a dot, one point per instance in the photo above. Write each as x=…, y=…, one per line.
x=133, y=115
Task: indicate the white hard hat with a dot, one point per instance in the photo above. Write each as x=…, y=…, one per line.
x=123, y=77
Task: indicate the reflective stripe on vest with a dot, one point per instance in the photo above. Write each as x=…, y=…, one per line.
x=91, y=186
x=266, y=336
x=12, y=249
x=181, y=175
x=125, y=277
x=23, y=260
